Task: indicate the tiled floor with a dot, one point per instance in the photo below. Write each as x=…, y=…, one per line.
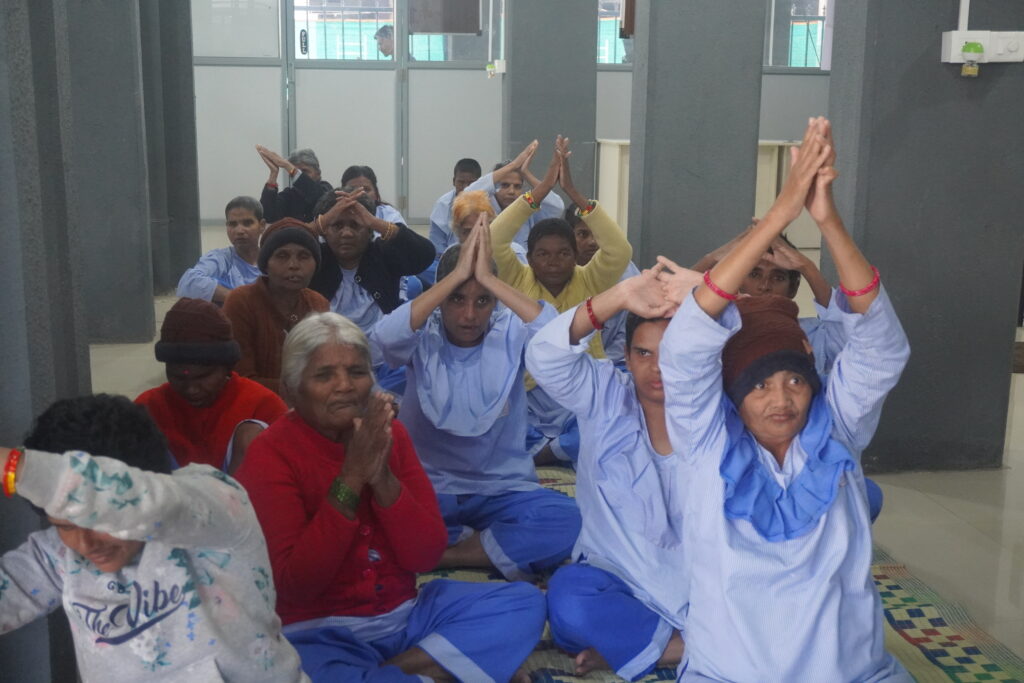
x=961, y=532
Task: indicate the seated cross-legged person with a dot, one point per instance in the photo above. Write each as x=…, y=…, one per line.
x=261, y=313
x=465, y=410
x=206, y=411
x=350, y=517
x=220, y=270
x=552, y=274
x=623, y=603
x=506, y=183
x=781, y=588
x=162, y=577
x=360, y=275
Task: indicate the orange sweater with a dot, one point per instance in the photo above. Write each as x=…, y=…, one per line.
x=260, y=329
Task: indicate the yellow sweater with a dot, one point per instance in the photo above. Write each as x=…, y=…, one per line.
x=603, y=272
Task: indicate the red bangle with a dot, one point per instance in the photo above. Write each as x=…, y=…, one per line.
x=716, y=289
x=273, y=185
x=861, y=292
x=593, y=318
x=11, y=470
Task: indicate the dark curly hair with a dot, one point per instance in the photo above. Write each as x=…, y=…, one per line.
x=102, y=424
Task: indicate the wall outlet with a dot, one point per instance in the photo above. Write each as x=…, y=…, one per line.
x=1000, y=46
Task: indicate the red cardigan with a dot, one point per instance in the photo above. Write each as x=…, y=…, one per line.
x=321, y=559
x=201, y=435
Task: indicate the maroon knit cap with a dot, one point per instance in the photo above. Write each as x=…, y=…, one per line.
x=769, y=341
x=196, y=332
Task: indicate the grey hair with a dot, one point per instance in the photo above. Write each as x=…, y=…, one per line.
x=450, y=258
x=304, y=156
x=310, y=334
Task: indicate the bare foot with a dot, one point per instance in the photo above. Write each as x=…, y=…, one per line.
x=588, y=660
x=520, y=676
x=545, y=457
x=673, y=653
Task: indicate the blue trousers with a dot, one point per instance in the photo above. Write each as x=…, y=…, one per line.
x=591, y=608
x=523, y=532
x=476, y=631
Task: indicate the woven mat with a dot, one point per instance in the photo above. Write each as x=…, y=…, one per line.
x=933, y=638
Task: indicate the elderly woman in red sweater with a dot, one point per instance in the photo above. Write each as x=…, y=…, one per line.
x=350, y=517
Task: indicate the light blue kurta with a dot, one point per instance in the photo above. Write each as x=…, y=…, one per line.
x=441, y=233
x=465, y=408
x=613, y=336
x=629, y=496
x=217, y=267
x=798, y=609
x=551, y=207
x=826, y=333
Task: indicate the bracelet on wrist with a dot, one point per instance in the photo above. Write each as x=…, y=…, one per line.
x=586, y=209
x=598, y=325
x=716, y=289
x=273, y=185
x=342, y=493
x=528, y=196
x=861, y=292
x=10, y=472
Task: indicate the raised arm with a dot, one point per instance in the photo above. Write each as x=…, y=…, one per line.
x=523, y=306
x=32, y=585
x=728, y=274
x=789, y=258
x=198, y=506
x=422, y=306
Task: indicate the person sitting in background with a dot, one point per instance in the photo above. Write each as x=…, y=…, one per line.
x=219, y=271
x=360, y=276
x=350, y=517
x=623, y=602
x=613, y=333
x=363, y=177
x=206, y=411
x=506, y=183
x=466, y=413
x=442, y=225
x=161, y=576
x=553, y=275
x=262, y=313
x=770, y=467
x=296, y=201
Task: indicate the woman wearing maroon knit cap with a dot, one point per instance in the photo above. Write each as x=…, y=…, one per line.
x=776, y=507
x=206, y=411
x=263, y=312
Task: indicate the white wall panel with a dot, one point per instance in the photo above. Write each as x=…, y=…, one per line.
x=452, y=114
x=237, y=107
x=240, y=28
x=348, y=117
x=614, y=102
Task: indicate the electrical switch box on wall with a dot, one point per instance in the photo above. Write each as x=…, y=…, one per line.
x=998, y=46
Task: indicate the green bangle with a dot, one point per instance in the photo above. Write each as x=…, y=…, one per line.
x=343, y=494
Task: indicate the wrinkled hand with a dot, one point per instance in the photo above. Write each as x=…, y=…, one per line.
x=676, y=282
x=270, y=157
x=369, y=450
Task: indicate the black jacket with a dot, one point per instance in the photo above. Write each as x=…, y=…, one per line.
x=296, y=201
x=381, y=268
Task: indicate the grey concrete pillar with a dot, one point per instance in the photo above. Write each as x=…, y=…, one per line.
x=179, y=135
x=930, y=181
x=45, y=352
x=551, y=84
x=109, y=152
x=696, y=109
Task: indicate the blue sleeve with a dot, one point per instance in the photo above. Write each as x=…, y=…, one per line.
x=566, y=372
x=866, y=370
x=690, y=357
x=386, y=212
x=551, y=207
x=201, y=280
x=440, y=230
x=394, y=337
x=484, y=182
x=826, y=333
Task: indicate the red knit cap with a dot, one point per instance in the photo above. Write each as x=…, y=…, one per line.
x=196, y=332
x=769, y=341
